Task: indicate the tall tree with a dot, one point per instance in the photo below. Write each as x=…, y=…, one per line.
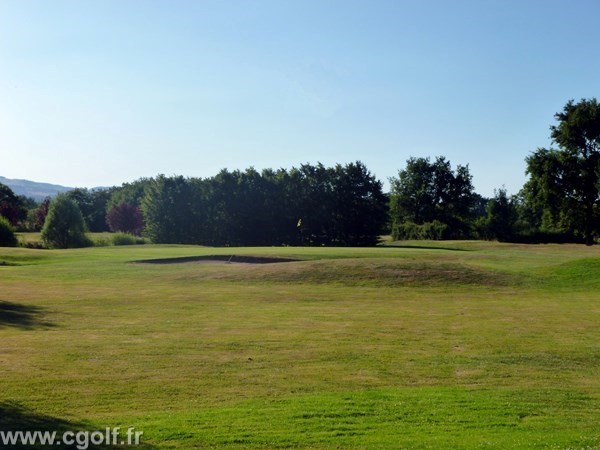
x=37, y=216
x=64, y=226
x=427, y=192
x=7, y=233
x=360, y=205
x=565, y=182
x=500, y=220
x=130, y=193
x=11, y=205
x=169, y=208
x=315, y=203
x=92, y=204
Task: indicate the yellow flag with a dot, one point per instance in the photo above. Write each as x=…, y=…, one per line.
x=299, y=224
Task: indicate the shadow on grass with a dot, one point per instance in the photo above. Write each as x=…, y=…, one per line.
x=14, y=417
x=22, y=316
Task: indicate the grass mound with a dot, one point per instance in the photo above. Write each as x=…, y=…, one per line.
x=577, y=274
x=353, y=272
x=234, y=259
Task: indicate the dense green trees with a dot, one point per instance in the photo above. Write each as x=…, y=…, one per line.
x=238, y=208
x=93, y=206
x=12, y=207
x=564, y=183
x=131, y=193
x=500, y=221
x=433, y=196
x=171, y=211
x=360, y=207
x=312, y=205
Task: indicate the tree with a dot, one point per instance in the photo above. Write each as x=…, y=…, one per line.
x=239, y=208
x=37, y=216
x=11, y=206
x=169, y=208
x=343, y=205
x=565, y=182
x=131, y=193
x=64, y=226
x=7, y=233
x=92, y=204
x=311, y=189
x=360, y=207
x=427, y=192
x=500, y=220
x=126, y=218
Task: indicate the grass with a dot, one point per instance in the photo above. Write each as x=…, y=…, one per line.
x=409, y=345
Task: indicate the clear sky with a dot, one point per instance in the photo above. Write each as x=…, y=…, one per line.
x=96, y=93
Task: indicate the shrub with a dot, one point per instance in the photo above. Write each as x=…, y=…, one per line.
x=7, y=233
x=32, y=244
x=64, y=226
x=411, y=231
x=124, y=239
x=101, y=242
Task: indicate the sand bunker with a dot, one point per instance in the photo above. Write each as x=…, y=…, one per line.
x=226, y=259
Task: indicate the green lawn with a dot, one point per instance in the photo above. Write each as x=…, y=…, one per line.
x=412, y=345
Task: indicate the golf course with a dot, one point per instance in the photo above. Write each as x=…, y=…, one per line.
x=410, y=344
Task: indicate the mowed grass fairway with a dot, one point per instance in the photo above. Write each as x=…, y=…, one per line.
x=422, y=345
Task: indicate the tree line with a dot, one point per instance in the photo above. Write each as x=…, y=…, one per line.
x=559, y=202
x=342, y=205
x=345, y=205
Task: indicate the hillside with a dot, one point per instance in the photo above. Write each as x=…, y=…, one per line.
x=33, y=189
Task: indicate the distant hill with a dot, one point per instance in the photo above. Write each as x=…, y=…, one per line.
x=33, y=189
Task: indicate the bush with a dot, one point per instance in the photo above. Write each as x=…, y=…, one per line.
x=123, y=239
x=411, y=231
x=64, y=226
x=101, y=242
x=32, y=244
x=7, y=233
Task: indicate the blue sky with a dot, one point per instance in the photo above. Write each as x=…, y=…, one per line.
x=96, y=93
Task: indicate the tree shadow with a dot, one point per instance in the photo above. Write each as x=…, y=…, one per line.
x=14, y=417
x=22, y=316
